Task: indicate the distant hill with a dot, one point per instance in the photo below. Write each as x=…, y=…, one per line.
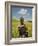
x=30, y=21
x=16, y=20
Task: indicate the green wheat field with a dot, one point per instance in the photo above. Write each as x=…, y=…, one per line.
x=15, y=32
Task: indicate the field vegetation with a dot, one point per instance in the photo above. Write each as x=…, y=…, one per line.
x=16, y=23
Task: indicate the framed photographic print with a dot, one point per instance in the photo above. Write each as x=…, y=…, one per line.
x=20, y=22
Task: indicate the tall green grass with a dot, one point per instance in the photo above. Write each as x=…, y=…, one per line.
x=15, y=32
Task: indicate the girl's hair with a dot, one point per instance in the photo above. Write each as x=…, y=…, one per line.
x=22, y=20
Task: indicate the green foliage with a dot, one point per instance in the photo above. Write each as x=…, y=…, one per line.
x=15, y=32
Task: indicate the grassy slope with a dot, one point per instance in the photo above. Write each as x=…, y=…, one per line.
x=15, y=32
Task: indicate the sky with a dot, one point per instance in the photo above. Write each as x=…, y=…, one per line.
x=18, y=12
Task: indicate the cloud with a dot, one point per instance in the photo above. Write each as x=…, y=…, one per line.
x=22, y=12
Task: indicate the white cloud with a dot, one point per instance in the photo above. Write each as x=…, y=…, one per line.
x=22, y=11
